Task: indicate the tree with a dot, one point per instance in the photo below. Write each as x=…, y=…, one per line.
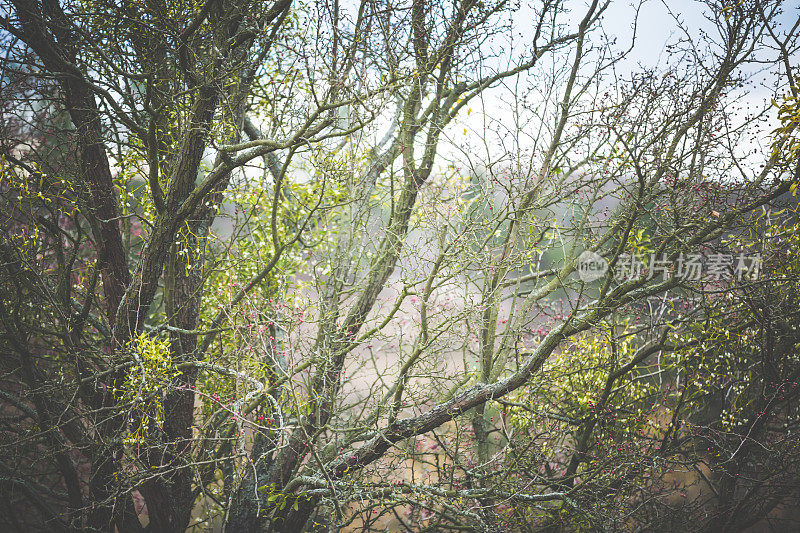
x=248, y=267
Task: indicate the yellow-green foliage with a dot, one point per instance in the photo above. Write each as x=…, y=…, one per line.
x=279, y=499
x=729, y=356
x=272, y=305
x=787, y=139
x=31, y=191
x=142, y=389
x=572, y=384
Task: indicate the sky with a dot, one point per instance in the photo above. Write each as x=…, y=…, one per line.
x=656, y=26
